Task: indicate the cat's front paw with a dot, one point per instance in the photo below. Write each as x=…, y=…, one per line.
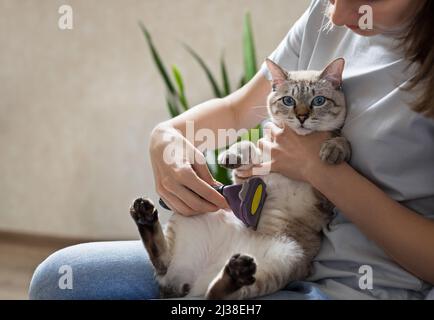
x=143, y=212
x=241, y=155
x=335, y=150
x=241, y=269
x=229, y=160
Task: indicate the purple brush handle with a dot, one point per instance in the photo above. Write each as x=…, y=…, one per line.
x=241, y=209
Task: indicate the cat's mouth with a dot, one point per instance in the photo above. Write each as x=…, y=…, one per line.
x=302, y=130
x=299, y=128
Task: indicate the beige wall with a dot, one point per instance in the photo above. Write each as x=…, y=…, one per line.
x=77, y=107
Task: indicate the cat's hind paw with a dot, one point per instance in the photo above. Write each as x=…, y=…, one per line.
x=241, y=269
x=238, y=272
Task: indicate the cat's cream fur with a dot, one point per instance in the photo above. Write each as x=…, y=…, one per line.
x=214, y=255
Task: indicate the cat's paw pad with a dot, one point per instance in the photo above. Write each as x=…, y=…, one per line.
x=174, y=291
x=241, y=268
x=332, y=152
x=143, y=212
x=230, y=160
x=185, y=289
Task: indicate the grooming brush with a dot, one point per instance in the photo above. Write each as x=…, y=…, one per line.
x=246, y=200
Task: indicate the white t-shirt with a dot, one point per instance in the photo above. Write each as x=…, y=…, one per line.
x=392, y=146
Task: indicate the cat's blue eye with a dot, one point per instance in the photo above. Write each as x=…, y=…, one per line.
x=288, y=101
x=318, y=101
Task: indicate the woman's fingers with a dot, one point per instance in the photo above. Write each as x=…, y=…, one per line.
x=195, y=202
x=200, y=167
x=201, y=182
x=266, y=147
x=176, y=204
x=264, y=142
x=185, y=184
x=204, y=190
x=272, y=130
x=267, y=133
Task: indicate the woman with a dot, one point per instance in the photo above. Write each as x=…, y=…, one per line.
x=379, y=244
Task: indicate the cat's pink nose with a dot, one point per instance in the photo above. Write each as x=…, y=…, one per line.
x=302, y=118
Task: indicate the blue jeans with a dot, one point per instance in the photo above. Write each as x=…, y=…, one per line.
x=117, y=270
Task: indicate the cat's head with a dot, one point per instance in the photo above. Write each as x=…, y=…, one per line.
x=307, y=101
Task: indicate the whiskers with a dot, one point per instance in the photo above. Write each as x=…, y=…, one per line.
x=259, y=107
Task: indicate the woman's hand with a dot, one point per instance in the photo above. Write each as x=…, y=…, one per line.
x=289, y=154
x=181, y=175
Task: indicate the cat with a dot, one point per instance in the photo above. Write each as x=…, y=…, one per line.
x=214, y=255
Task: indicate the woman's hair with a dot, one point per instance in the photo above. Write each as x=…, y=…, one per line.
x=418, y=43
x=419, y=48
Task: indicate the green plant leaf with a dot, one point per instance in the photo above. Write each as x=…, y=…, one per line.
x=178, y=78
x=225, y=78
x=220, y=174
x=255, y=133
x=245, y=136
x=242, y=82
x=172, y=104
x=157, y=60
x=248, y=49
x=172, y=110
x=213, y=82
x=180, y=84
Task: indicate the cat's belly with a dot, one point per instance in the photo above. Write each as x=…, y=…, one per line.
x=285, y=193
x=204, y=244
x=201, y=246
x=287, y=200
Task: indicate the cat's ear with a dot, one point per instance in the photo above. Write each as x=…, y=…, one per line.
x=278, y=75
x=333, y=72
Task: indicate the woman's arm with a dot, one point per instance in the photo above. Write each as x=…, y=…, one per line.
x=182, y=178
x=404, y=235
x=242, y=109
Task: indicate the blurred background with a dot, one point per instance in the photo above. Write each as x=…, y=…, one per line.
x=77, y=107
